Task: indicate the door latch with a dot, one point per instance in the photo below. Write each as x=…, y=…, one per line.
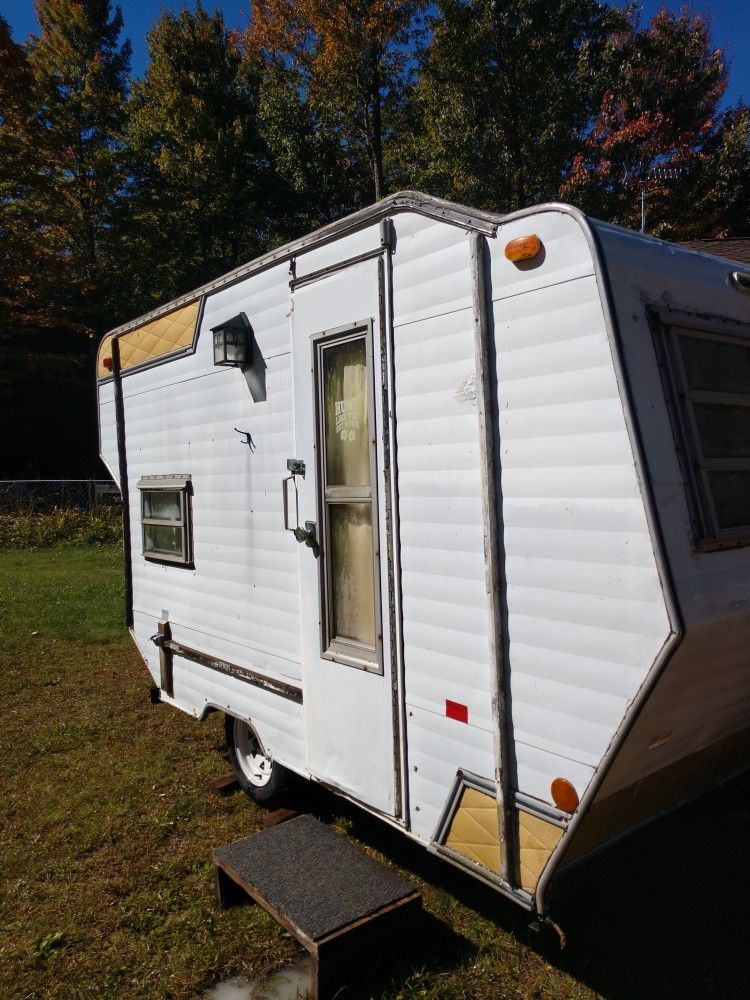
x=308, y=534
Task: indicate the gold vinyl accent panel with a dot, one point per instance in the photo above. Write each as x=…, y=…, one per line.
x=474, y=831
x=537, y=840
x=172, y=332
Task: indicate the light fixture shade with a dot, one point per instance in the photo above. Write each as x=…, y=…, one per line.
x=233, y=342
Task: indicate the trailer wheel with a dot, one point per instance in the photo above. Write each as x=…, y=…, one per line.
x=258, y=775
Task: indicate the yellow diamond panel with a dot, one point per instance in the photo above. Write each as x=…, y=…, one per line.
x=537, y=840
x=474, y=831
x=152, y=340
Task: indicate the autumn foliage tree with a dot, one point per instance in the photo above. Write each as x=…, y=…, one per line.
x=351, y=60
x=657, y=119
x=720, y=205
x=116, y=195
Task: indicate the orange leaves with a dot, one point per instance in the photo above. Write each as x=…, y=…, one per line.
x=277, y=27
x=326, y=39
x=348, y=58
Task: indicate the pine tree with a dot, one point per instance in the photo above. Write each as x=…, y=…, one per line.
x=21, y=172
x=79, y=74
x=63, y=97
x=507, y=87
x=203, y=192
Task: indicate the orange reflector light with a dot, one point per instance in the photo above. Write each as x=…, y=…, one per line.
x=524, y=248
x=564, y=795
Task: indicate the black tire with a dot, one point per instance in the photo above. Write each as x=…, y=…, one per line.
x=258, y=775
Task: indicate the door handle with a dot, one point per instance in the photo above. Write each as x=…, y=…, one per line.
x=285, y=501
x=309, y=534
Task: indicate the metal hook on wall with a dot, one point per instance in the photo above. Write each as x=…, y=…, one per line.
x=248, y=438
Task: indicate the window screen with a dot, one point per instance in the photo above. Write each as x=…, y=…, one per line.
x=165, y=519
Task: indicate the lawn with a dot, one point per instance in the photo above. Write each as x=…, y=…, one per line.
x=107, y=824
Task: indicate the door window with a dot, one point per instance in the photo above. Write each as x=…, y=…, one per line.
x=350, y=627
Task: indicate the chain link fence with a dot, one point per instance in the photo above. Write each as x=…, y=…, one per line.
x=41, y=495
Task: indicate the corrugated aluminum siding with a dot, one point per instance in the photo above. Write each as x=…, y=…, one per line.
x=241, y=601
x=108, y=430
x=586, y=612
x=440, y=514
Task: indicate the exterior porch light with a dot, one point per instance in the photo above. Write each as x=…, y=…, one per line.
x=233, y=342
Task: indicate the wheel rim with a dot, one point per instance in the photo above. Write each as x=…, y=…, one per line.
x=255, y=765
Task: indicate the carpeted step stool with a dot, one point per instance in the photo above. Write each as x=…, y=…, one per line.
x=343, y=907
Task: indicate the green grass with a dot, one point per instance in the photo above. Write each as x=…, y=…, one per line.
x=61, y=595
x=107, y=824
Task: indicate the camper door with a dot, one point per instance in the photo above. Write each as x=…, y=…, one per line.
x=337, y=508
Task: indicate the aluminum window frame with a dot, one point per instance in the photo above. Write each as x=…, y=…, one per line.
x=182, y=485
x=347, y=652
x=670, y=326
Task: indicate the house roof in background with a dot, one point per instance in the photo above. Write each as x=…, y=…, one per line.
x=737, y=248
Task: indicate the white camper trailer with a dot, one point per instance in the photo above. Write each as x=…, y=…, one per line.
x=450, y=512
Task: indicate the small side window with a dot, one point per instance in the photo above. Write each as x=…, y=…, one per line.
x=709, y=369
x=165, y=519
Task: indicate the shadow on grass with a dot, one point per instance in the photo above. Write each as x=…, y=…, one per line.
x=665, y=913
x=662, y=914
x=432, y=947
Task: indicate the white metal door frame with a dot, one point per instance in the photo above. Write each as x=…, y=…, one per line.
x=321, y=302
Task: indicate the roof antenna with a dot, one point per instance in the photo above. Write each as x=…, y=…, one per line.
x=653, y=174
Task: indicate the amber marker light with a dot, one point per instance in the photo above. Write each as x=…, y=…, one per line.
x=524, y=248
x=564, y=795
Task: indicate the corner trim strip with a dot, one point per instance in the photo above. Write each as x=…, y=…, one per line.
x=122, y=462
x=494, y=556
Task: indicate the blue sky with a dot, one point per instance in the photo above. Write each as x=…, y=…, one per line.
x=731, y=28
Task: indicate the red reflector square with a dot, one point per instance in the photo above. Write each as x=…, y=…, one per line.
x=454, y=710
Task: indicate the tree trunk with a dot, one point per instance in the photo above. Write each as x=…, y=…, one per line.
x=376, y=142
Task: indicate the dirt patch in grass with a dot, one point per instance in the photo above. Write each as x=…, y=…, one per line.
x=107, y=825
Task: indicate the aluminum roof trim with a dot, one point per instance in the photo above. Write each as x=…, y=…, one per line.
x=403, y=201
